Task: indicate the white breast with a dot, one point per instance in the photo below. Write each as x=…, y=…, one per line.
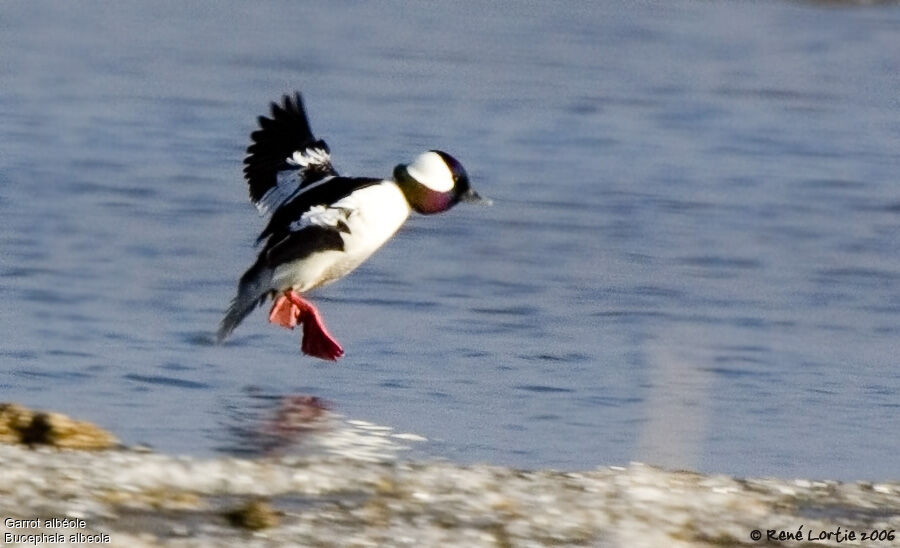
x=372, y=214
x=376, y=212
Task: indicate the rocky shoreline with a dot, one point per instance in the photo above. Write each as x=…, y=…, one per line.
x=138, y=498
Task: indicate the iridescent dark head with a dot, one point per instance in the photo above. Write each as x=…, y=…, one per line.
x=435, y=182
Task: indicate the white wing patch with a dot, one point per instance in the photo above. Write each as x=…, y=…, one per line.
x=320, y=215
x=308, y=157
x=288, y=181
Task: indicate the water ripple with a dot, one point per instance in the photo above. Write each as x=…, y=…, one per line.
x=167, y=381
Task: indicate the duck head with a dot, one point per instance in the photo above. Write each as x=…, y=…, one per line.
x=435, y=182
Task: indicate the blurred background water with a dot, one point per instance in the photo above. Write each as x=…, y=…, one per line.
x=693, y=258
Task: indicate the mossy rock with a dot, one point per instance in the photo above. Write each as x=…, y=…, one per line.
x=254, y=515
x=13, y=419
x=18, y=424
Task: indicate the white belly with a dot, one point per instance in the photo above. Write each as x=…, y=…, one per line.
x=376, y=212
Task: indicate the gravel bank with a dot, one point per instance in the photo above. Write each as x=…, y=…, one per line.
x=140, y=499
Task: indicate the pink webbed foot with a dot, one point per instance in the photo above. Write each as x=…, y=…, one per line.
x=284, y=313
x=317, y=341
x=291, y=309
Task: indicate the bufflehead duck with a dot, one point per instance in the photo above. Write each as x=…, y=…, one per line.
x=323, y=225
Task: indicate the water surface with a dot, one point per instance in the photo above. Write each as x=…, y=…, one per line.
x=693, y=258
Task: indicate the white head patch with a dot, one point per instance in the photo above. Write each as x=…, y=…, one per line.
x=431, y=170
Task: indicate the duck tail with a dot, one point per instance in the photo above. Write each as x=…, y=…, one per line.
x=255, y=284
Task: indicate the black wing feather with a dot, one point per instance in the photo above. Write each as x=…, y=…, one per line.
x=302, y=243
x=286, y=132
x=325, y=194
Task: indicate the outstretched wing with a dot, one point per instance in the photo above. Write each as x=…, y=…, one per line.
x=284, y=156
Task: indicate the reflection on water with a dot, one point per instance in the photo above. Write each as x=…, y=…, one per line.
x=259, y=424
x=692, y=258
